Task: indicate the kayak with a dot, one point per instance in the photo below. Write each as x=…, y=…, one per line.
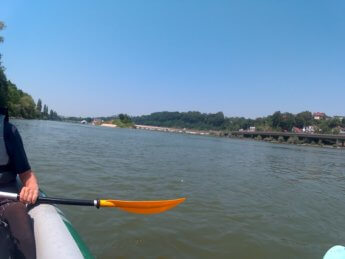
x=55, y=236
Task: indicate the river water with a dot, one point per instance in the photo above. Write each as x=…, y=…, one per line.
x=245, y=199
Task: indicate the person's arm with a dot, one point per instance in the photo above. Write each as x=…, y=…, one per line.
x=20, y=164
x=29, y=191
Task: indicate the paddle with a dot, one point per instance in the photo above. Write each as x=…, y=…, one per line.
x=140, y=207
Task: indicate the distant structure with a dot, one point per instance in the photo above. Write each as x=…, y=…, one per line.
x=308, y=129
x=339, y=117
x=97, y=122
x=83, y=122
x=297, y=130
x=319, y=115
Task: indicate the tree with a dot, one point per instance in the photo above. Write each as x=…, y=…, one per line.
x=3, y=87
x=39, y=106
x=304, y=119
x=333, y=123
x=3, y=80
x=45, y=112
x=324, y=127
x=124, y=118
x=287, y=121
x=276, y=118
x=2, y=26
x=19, y=103
x=51, y=114
x=215, y=120
x=27, y=107
x=13, y=103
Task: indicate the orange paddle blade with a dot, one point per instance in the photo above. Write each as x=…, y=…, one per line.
x=142, y=207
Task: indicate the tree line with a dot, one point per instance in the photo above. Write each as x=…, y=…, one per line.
x=278, y=121
x=122, y=120
x=192, y=120
x=19, y=103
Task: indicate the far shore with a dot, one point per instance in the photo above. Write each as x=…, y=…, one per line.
x=176, y=130
x=314, y=140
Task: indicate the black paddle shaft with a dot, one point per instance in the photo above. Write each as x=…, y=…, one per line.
x=47, y=200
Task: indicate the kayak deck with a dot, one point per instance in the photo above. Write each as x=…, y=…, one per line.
x=55, y=236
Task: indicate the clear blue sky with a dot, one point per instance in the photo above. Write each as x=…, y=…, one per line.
x=245, y=58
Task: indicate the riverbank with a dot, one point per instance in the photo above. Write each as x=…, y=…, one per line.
x=315, y=140
x=175, y=130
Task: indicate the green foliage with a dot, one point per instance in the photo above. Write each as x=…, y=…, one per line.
x=195, y=120
x=324, y=127
x=27, y=107
x=282, y=121
x=19, y=103
x=258, y=137
x=39, y=107
x=3, y=86
x=276, y=118
x=45, y=112
x=281, y=139
x=335, y=131
x=53, y=116
x=276, y=122
x=268, y=139
x=123, y=121
x=303, y=119
x=287, y=121
x=2, y=26
x=3, y=80
x=293, y=140
x=333, y=123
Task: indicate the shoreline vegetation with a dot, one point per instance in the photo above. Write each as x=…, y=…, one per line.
x=302, y=139
x=19, y=103
x=315, y=129
x=304, y=122
x=305, y=128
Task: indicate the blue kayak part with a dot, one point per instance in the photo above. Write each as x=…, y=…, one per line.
x=335, y=252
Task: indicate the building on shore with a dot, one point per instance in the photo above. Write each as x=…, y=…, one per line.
x=319, y=115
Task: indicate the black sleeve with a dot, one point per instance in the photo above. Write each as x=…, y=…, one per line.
x=18, y=161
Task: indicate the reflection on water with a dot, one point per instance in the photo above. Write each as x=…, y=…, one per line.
x=246, y=199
